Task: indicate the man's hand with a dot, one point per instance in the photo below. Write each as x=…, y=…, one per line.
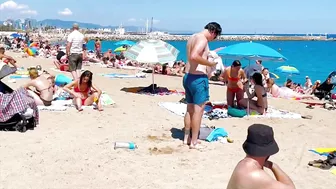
x=213, y=64
x=268, y=164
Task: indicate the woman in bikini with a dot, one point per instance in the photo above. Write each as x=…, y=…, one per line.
x=43, y=95
x=284, y=92
x=261, y=104
x=84, y=92
x=235, y=77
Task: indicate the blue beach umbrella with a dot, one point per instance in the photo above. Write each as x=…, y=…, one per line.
x=15, y=35
x=251, y=51
x=288, y=70
x=124, y=42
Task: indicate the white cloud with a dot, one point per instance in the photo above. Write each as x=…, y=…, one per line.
x=65, y=12
x=29, y=12
x=11, y=5
x=132, y=20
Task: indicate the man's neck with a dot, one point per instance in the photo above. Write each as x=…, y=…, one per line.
x=259, y=161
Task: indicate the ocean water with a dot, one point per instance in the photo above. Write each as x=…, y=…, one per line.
x=315, y=59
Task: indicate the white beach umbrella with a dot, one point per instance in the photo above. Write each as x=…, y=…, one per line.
x=152, y=52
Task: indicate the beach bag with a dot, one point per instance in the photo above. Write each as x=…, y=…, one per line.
x=205, y=132
x=234, y=112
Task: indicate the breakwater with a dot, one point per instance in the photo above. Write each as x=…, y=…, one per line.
x=221, y=38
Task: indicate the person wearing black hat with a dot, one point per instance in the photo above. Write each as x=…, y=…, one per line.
x=249, y=173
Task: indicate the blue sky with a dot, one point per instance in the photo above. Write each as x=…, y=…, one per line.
x=235, y=16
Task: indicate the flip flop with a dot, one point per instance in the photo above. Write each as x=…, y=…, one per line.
x=307, y=117
x=310, y=107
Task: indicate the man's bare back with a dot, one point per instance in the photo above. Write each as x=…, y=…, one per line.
x=195, y=43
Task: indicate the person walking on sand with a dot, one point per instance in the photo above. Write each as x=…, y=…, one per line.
x=74, y=50
x=249, y=173
x=195, y=81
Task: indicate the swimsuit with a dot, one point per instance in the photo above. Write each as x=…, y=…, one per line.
x=234, y=79
x=196, y=88
x=77, y=90
x=45, y=102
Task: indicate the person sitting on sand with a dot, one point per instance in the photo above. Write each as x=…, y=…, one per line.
x=314, y=87
x=284, y=92
x=261, y=104
x=176, y=70
x=7, y=59
x=249, y=173
x=84, y=91
x=43, y=95
x=234, y=76
x=61, y=61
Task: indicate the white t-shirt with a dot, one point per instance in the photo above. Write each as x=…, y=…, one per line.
x=77, y=40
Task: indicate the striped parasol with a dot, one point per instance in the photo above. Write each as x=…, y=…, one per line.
x=288, y=70
x=152, y=52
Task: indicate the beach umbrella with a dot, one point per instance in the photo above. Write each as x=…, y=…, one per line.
x=273, y=75
x=124, y=42
x=120, y=49
x=15, y=35
x=152, y=52
x=251, y=51
x=288, y=70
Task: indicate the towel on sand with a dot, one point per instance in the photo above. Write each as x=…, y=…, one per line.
x=116, y=75
x=323, y=151
x=180, y=109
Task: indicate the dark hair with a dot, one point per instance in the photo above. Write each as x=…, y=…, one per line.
x=236, y=63
x=214, y=27
x=88, y=74
x=118, y=57
x=264, y=69
x=2, y=49
x=257, y=78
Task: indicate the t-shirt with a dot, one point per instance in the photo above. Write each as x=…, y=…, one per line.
x=77, y=40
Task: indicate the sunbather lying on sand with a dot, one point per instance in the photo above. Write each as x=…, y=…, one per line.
x=284, y=92
x=84, y=92
x=44, y=86
x=61, y=61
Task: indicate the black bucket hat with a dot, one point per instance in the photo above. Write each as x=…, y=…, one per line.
x=260, y=141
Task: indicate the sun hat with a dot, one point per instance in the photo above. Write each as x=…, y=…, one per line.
x=260, y=141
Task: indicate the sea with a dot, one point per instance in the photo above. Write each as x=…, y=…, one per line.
x=315, y=59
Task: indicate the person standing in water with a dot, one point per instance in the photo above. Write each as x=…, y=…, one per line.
x=196, y=82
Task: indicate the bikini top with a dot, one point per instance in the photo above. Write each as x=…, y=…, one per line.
x=236, y=79
x=77, y=89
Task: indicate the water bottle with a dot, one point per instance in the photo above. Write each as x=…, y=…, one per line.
x=127, y=145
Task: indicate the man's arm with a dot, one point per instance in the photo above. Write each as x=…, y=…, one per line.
x=68, y=46
x=197, y=50
x=11, y=60
x=282, y=179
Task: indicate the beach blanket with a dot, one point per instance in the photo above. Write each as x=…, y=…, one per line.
x=62, y=105
x=116, y=75
x=132, y=68
x=323, y=151
x=180, y=109
x=150, y=90
x=333, y=171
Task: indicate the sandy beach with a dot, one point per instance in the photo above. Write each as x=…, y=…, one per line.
x=72, y=150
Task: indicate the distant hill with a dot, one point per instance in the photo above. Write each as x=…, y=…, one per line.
x=68, y=24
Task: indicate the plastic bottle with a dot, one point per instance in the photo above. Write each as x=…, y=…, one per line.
x=127, y=145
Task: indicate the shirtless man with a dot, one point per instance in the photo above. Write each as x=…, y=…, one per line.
x=249, y=173
x=195, y=81
x=107, y=56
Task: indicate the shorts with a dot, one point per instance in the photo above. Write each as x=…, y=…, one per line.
x=75, y=62
x=196, y=88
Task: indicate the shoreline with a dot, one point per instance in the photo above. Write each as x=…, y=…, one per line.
x=221, y=38
x=114, y=37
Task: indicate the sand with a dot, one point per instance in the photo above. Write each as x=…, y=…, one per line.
x=75, y=150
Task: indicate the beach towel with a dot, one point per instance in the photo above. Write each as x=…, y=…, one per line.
x=323, y=151
x=333, y=171
x=116, y=75
x=52, y=108
x=180, y=109
x=152, y=90
x=19, y=76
